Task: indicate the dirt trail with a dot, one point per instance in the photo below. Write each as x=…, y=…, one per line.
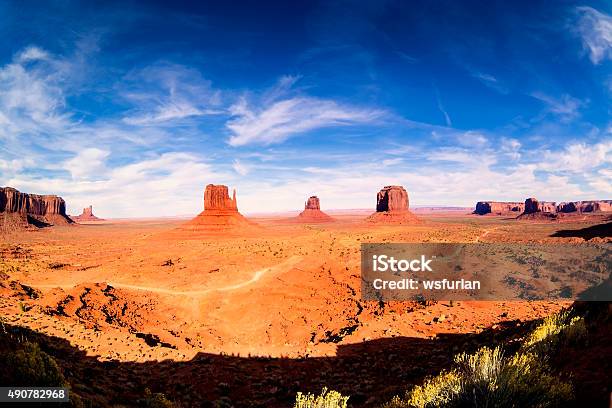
x=256, y=277
x=484, y=234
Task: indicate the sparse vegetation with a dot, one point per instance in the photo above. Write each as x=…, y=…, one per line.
x=157, y=400
x=327, y=399
x=31, y=366
x=555, y=331
x=488, y=378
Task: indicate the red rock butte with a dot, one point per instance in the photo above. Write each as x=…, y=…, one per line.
x=86, y=215
x=312, y=212
x=392, y=207
x=220, y=212
x=22, y=210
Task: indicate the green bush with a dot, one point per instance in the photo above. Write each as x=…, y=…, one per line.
x=327, y=399
x=30, y=366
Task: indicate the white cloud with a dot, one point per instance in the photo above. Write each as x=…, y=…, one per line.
x=595, y=29
x=490, y=81
x=87, y=164
x=286, y=118
x=566, y=107
x=511, y=147
x=577, y=158
x=240, y=168
x=168, y=92
x=32, y=53
x=472, y=138
x=164, y=185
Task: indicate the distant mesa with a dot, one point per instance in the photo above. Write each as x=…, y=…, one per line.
x=86, y=215
x=220, y=212
x=532, y=208
x=21, y=210
x=312, y=212
x=499, y=208
x=392, y=207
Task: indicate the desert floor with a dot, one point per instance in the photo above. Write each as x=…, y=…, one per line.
x=250, y=317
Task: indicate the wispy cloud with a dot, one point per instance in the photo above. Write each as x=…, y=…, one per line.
x=167, y=92
x=240, y=168
x=566, y=107
x=595, y=29
x=490, y=81
x=447, y=118
x=281, y=119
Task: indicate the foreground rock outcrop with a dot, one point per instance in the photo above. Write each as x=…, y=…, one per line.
x=392, y=207
x=312, y=212
x=21, y=210
x=220, y=213
x=86, y=215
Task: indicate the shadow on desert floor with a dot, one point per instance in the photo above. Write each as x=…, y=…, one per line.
x=371, y=372
x=594, y=231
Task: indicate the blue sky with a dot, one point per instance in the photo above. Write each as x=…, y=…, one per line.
x=135, y=107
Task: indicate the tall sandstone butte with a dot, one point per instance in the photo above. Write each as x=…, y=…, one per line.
x=392, y=206
x=216, y=198
x=392, y=199
x=220, y=213
x=22, y=209
x=312, y=212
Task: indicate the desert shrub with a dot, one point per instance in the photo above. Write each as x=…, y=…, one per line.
x=30, y=366
x=435, y=392
x=488, y=378
x=327, y=399
x=556, y=330
x=157, y=400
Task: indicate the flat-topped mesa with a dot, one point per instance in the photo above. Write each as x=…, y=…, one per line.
x=86, y=215
x=312, y=212
x=392, y=199
x=594, y=206
x=498, y=207
x=312, y=203
x=392, y=207
x=34, y=209
x=216, y=198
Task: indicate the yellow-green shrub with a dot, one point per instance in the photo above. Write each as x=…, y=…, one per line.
x=327, y=399
x=487, y=378
x=555, y=330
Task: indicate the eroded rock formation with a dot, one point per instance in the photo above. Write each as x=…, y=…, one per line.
x=22, y=209
x=498, y=207
x=216, y=198
x=312, y=203
x=312, y=212
x=392, y=206
x=220, y=213
x=86, y=215
x=585, y=206
x=392, y=199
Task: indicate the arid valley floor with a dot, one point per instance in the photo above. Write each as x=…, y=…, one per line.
x=248, y=318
